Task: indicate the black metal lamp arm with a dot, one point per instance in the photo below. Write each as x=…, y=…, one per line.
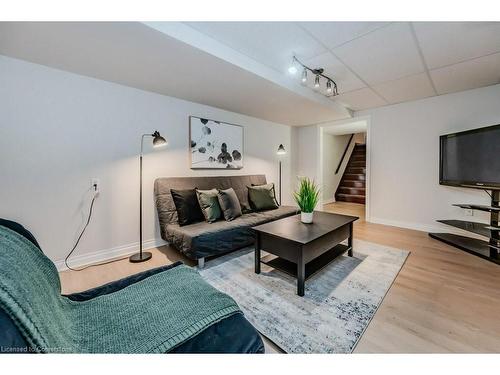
x=142, y=140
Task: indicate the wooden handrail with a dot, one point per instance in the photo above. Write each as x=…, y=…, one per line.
x=343, y=155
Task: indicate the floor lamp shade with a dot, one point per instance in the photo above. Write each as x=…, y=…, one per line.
x=158, y=141
x=281, y=150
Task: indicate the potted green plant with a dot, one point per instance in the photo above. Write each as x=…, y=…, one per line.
x=307, y=197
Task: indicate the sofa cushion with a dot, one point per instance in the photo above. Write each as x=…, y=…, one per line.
x=201, y=240
x=262, y=197
x=209, y=204
x=229, y=204
x=188, y=208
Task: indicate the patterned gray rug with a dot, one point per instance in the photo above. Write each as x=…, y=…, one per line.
x=339, y=302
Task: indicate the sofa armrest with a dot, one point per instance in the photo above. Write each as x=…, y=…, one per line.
x=114, y=286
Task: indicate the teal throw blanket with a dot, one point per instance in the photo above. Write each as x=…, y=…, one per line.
x=151, y=316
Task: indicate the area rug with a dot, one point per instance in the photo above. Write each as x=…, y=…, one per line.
x=339, y=303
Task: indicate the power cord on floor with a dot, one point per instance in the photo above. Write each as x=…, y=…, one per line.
x=80, y=237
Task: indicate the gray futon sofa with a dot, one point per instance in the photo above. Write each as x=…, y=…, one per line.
x=200, y=240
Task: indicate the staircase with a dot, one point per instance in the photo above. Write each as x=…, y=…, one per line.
x=352, y=185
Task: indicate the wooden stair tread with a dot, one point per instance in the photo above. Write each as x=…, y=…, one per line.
x=351, y=191
x=361, y=189
x=350, y=195
x=354, y=176
x=356, y=170
x=351, y=198
x=352, y=183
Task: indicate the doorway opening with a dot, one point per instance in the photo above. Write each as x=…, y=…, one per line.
x=344, y=159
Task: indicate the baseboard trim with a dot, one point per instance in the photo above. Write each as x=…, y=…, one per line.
x=108, y=254
x=328, y=201
x=423, y=227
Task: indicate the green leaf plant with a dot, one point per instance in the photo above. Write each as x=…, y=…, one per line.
x=307, y=195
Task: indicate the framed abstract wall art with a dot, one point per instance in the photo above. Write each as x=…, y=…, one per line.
x=215, y=144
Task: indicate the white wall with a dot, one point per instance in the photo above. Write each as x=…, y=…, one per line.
x=404, y=147
x=58, y=130
x=308, y=151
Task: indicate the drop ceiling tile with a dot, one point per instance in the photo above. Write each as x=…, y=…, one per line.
x=446, y=43
x=405, y=89
x=360, y=99
x=383, y=55
x=345, y=79
x=270, y=43
x=480, y=72
x=333, y=34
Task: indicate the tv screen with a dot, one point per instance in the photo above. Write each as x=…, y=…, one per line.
x=471, y=158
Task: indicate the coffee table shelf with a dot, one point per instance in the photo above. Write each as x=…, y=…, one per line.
x=311, y=268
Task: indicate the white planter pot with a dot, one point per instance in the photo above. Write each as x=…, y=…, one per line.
x=306, y=217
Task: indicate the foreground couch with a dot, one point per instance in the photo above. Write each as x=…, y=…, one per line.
x=32, y=319
x=200, y=240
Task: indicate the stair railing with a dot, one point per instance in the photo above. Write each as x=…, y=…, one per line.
x=344, y=154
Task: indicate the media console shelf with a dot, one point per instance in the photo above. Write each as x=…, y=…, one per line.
x=489, y=250
x=485, y=230
x=479, y=207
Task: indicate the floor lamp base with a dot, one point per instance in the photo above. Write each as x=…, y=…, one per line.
x=138, y=258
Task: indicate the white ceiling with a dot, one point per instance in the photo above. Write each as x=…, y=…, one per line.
x=136, y=55
x=374, y=63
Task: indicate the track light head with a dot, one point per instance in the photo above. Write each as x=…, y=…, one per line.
x=292, y=69
x=304, y=76
x=316, y=81
x=329, y=87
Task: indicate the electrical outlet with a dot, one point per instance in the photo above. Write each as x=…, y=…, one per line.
x=469, y=212
x=97, y=183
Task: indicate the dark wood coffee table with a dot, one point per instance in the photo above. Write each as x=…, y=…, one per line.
x=303, y=249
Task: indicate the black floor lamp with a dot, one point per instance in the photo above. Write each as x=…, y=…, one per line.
x=281, y=151
x=158, y=141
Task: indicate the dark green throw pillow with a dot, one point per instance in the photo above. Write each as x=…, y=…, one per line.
x=209, y=204
x=262, y=197
x=229, y=204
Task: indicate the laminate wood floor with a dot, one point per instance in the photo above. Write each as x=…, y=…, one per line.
x=443, y=300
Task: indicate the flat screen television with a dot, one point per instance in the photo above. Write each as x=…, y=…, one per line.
x=471, y=158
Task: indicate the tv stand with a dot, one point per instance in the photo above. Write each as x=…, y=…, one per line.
x=489, y=250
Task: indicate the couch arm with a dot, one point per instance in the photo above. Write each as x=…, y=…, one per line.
x=118, y=284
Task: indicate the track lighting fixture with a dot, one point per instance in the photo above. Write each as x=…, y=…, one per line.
x=331, y=86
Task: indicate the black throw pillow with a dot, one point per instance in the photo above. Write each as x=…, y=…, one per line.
x=229, y=204
x=187, y=206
